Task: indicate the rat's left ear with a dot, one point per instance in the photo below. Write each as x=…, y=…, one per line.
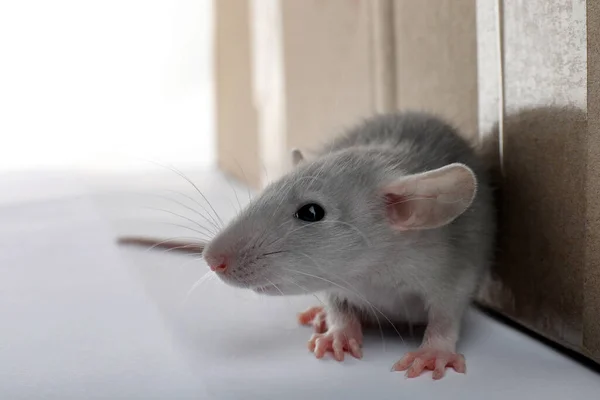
x=430, y=199
x=297, y=157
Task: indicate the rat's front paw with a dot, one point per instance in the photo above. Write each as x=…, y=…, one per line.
x=338, y=341
x=314, y=316
x=414, y=363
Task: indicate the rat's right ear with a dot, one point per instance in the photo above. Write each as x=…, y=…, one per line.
x=297, y=157
x=430, y=199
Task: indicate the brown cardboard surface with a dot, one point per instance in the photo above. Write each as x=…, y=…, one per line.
x=541, y=246
x=547, y=277
x=591, y=284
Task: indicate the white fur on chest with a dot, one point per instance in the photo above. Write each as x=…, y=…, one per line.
x=397, y=303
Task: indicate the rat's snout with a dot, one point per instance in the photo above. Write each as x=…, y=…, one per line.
x=217, y=263
x=218, y=268
x=233, y=267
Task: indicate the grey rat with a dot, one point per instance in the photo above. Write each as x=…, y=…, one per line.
x=393, y=221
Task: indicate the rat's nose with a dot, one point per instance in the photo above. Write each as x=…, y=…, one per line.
x=218, y=265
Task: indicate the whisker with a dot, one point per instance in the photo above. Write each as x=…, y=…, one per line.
x=245, y=179
x=196, y=285
x=275, y=286
x=373, y=308
x=190, y=260
x=212, y=220
x=264, y=168
x=289, y=186
x=184, y=227
x=265, y=236
x=353, y=292
x=301, y=287
x=182, y=175
x=182, y=217
x=322, y=169
x=164, y=197
x=187, y=207
x=235, y=194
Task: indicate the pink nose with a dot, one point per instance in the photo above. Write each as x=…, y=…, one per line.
x=221, y=267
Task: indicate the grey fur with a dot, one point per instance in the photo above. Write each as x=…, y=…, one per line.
x=366, y=265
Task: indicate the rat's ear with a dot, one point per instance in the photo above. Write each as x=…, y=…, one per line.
x=430, y=199
x=297, y=157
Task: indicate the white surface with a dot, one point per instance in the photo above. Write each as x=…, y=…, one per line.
x=98, y=84
x=81, y=319
x=75, y=324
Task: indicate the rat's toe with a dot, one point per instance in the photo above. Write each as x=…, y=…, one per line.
x=440, y=369
x=459, y=364
x=322, y=345
x=418, y=366
x=405, y=362
x=314, y=316
x=307, y=317
x=319, y=322
x=338, y=349
x=354, y=348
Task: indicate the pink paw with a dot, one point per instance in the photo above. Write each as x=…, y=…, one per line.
x=336, y=341
x=314, y=316
x=414, y=363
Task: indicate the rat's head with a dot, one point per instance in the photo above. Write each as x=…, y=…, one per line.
x=320, y=224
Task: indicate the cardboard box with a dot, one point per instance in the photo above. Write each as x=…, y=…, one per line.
x=544, y=90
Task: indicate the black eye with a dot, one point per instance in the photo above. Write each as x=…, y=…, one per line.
x=310, y=213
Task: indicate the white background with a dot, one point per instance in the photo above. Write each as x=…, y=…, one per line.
x=104, y=85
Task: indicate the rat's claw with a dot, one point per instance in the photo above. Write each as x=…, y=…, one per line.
x=414, y=363
x=355, y=349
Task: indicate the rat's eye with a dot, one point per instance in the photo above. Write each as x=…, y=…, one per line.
x=310, y=213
